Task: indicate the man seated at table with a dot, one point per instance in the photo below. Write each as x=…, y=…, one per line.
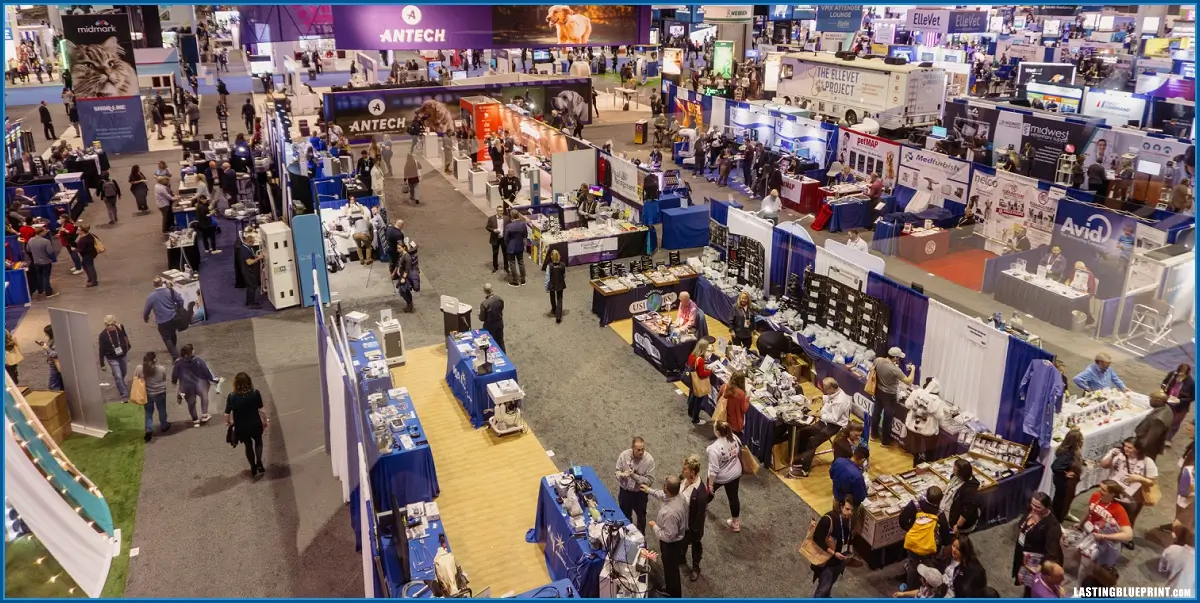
x=835, y=414
x=875, y=190
x=769, y=210
x=1055, y=263
x=1099, y=375
x=685, y=319
x=845, y=177
x=19, y=204
x=857, y=242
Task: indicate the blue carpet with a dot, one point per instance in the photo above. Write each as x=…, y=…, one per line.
x=13, y=315
x=1169, y=359
x=222, y=300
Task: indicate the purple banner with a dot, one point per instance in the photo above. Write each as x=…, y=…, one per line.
x=433, y=27
x=285, y=23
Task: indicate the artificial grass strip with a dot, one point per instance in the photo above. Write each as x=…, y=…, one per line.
x=114, y=464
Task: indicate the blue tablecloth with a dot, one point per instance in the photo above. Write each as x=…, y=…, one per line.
x=669, y=358
x=410, y=474
x=16, y=287
x=420, y=559
x=569, y=557
x=850, y=215
x=358, y=361
x=184, y=217
x=469, y=388
x=713, y=301
x=685, y=227
x=652, y=210
x=611, y=308
x=559, y=589
x=887, y=237
x=12, y=249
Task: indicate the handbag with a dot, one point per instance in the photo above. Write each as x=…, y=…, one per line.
x=810, y=550
x=701, y=387
x=721, y=412
x=99, y=245
x=869, y=388
x=749, y=463
x=231, y=436
x=137, y=392
x=1151, y=494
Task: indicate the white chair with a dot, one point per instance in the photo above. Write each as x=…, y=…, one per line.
x=1151, y=325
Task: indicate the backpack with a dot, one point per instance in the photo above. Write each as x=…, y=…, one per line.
x=922, y=538
x=110, y=189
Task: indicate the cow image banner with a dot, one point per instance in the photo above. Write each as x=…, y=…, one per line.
x=99, y=53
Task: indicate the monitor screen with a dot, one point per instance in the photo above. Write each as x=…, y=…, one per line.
x=939, y=131
x=458, y=75
x=541, y=55
x=596, y=189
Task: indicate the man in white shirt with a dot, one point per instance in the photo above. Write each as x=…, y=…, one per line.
x=769, y=210
x=835, y=414
x=856, y=242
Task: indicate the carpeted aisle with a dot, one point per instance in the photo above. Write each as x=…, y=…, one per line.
x=222, y=300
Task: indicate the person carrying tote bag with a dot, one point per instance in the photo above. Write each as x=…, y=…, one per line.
x=699, y=377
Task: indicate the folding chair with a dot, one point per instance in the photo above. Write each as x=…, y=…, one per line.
x=1151, y=326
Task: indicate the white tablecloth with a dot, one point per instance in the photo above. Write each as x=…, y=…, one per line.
x=1096, y=442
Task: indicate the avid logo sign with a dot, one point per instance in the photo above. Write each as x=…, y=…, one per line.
x=1096, y=230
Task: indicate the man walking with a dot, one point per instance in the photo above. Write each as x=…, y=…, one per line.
x=110, y=192
x=491, y=315
x=229, y=183
x=73, y=117
x=223, y=91
x=43, y=255
x=670, y=526
x=47, y=121
x=156, y=115
x=514, y=243
x=164, y=302
x=248, y=114
x=635, y=467
x=193, y=115
x=495, y=228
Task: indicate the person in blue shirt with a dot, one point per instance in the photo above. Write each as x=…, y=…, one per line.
x=847, y=476
x=1099, y=375
x=163, y=302
x=846, y=177
x=1125, y=243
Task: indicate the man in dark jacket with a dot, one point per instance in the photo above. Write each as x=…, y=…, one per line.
x=248, y=114
x=509, y=186
x=495, y=228
x=697, y=508
x=363, y=170
x=514, y=244
x=229, y=183
x=393, y=237
x=1152, y=431
x=47, y=121
x=223, y=90
x=847, y=476
x=748, y=157
x=491, y=315
x=927, y=504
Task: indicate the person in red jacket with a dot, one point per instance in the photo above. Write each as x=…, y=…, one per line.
x=736, y=402
x=698, y=365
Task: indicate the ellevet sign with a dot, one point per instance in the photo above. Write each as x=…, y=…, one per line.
x=947, y=21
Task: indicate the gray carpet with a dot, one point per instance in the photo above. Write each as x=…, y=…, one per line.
x=206, y=529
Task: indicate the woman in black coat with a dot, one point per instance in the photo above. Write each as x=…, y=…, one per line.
x=960, y=503
x=1065, y=470
x=742, y=321
x=1180, y=384
x=556, y=283
x=968, y=579
x=1039, y=533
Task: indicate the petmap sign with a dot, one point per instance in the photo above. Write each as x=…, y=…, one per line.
x=867, y=155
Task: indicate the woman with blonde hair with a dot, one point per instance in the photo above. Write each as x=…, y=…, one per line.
x=700, y=387
x=556, y=283
x=244, y=412
x=742, y=321
x=725, y=470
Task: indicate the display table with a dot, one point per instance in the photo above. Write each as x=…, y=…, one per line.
x=713, y=301
x=568, y=557
x=469, y=387
x=1042, y=298
x=669, y=358
x=652, y=209
x=16, y=287
x=917, y=247
x=1097, y=441
x=760, y=433
x=850, y=214
x=359, y=349
x=184, y=217
x=611, y=308
x=185, y=256
x=421, y=552
x=559, y=589
x=599, y=249
x=685, y=227
x=409, y=474
x=801, y=194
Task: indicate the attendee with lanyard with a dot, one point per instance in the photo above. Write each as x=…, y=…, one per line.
x=1131, y=468
x=114, y=346
x=1108, y=524
x=635, y=468
x=835, y=534
x=965, y=576
x=685, y=319
x=1047, y=583
x=1179, y=385
x=1039, y=539
x=857, y=243
x=742, y=321
x=670, y=527
x=835, y=415
x=959, y=502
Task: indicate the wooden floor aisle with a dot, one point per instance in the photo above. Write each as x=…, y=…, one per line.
x=489, y=484
x=816, y=490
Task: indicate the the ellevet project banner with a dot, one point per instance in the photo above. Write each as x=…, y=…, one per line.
x=430, y=27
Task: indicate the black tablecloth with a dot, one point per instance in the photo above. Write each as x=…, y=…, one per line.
x=175, y=256
x=629, y=245
x=91, y=176
x=1038, y=302
x=670, y=359
x=612, y=308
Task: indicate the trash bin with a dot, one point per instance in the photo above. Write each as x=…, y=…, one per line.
x=1078, y=321
x=639, y=132
x=456, y=316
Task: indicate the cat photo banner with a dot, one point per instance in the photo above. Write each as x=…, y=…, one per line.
x=99, y=53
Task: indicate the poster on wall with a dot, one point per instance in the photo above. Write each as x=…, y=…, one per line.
x=1116, y=107
x=866, y=154
x=98, y=50
x=1045, y=73
x=945, y=177
x=427, y=27
x=839, y=18
x=673, y=61
x=723, y=58
x=1103, y=240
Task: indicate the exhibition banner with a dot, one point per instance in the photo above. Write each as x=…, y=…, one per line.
x=1165, y=85
x=1006, y=50
x=99, y=52
x=972, y=127
x=866, y=155
x=799, y=134
x=1065, y=99
x=673, y=61
x=286, y=23
x=945, y=177
x=935, y=20
x=839, y=18
x=967, y=21
x=723, y=58
x=830, y=83
x=1116, y=107
x=1003, y=200
x=1039, y=141
x=728, y=14
x=1153, y=153
x=754, y=118
x=1102, y=239
x=1045, y=73
x=431, y=27
x=624, y=178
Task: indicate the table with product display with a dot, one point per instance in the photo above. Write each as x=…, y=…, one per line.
x=408, y=473
x=362, y=351
x=613, y=303
x=714, y=301
x=849, y=213
x=421, y=553
x=1104, y=427
x=570, y=556
x=1043, y=298
x=665, y=354
x=183, y=251
x=584, y=248
x=468, y=385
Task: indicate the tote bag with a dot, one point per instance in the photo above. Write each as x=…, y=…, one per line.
x=701, y=387
x=869, y=388
x=137, y=391
x=813, y=552
x=720, y=413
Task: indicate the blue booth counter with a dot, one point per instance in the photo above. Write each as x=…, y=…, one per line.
x=469, y=387
x=685, y=227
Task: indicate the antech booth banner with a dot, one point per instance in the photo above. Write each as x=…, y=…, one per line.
x=430, y=27
x=868, y=155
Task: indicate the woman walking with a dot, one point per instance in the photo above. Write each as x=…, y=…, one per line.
x=1067, y=465
x=139, y=188
x=386, y=151
x=412, y=176
x=86, y=243
x=737, y=403
x=701, y=386
x=12, y=356
x=67, y=235
x=244, y=412
x=725, y=470
x=1179, y=385
x=155, y=377
x=163, y=199
x=114, y=346
x=205, y=224
x=193, y=377
x=1040, y=540
x=1109, y=525
x=556, y=283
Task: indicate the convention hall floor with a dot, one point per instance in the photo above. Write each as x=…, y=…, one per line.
x=205, y=529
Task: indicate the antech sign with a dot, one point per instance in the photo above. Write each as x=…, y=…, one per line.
x=728, y=14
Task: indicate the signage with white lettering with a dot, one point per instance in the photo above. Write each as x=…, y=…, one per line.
x=822, y=82
x=839, y=18
x=1117, y=108
x=943, y=176
x=937, y=21
x=867, y=155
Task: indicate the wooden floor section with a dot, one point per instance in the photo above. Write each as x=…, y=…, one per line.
x=816, y=490
x=489, y=484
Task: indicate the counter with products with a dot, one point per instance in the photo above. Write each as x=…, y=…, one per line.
x=469, y=371
x=801, y=194
x=619, y=292
x=603, y=240
x=657, y=340
x=923, y=244
x=1105, y=418
x=183, y=250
